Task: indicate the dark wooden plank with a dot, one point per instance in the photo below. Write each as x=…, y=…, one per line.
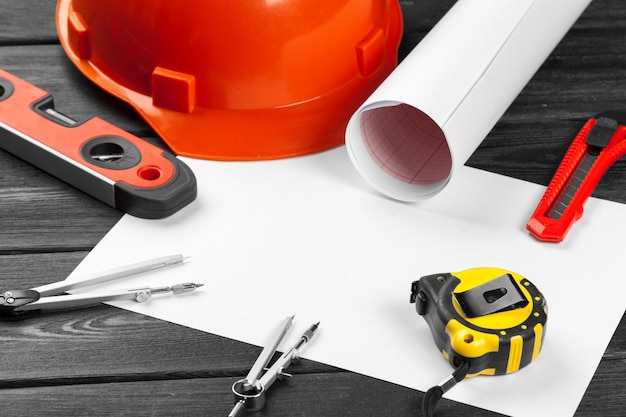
x=606, y=395
x=302, y=395
x=27, y=22
x=419, y=17
x=43, y=214
x=582, y=77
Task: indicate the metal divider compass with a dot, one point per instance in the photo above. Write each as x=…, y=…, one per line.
x=53, y=296
x=250, y=391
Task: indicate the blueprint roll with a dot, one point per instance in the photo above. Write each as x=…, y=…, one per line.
x=436, y=107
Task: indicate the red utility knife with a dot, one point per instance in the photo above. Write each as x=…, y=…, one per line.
x=600, y=142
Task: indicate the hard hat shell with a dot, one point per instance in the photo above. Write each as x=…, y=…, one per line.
x=236, y=79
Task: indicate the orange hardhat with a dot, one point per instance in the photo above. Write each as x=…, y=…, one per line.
x=236, y=79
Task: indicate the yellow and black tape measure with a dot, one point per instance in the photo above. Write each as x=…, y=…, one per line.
x=490, y=319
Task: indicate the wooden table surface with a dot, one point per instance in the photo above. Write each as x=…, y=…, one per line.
x=107, y=361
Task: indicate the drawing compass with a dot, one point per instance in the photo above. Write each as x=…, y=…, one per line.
x=54, y=296
x=250, y=392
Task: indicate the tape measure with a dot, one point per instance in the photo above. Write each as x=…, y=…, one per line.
x=484, y=321
x=94, y=156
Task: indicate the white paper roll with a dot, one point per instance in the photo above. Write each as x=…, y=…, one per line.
x=436, y=107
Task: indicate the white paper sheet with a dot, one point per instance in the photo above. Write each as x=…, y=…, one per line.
x=302, y=236
x=430, y=114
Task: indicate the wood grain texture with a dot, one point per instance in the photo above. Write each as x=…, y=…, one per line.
x=109, y=362
x=584, y=75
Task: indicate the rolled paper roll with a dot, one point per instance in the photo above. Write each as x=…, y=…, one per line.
x=436, y=107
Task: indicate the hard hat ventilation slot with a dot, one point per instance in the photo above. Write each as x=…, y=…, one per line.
x=370, y=51
x=173, y=90
x=79, y=36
